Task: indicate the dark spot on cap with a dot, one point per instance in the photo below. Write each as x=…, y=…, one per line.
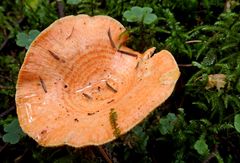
x=110, y=101
x=65, y=86
x=76, y=120
x=43, y=132
x=90, y=113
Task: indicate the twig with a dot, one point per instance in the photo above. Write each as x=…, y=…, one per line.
x=109, y=86
x=43, y=84
x=193, y=41
x=212, y=155
x=6, y=87
x=7, y=111
x=110, y=39
x=87, y=95
x=60, y=7
x=185, y=65
x=7, y=37
x=104, y=154
x=3, y=147
x=4, y=43
x=6, y=77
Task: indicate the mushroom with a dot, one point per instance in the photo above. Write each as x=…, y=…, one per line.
x=80, y=85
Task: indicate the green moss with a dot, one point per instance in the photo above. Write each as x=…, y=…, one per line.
x=113, y=121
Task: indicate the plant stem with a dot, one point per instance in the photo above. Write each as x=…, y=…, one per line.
x=60, y=7
x=7, y=111
x=185, y=65
x=104, y=154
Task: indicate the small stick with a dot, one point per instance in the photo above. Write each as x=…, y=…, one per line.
x=137, y=65
x=193, y=41
x=110, y=101
x=60, y=7
x=43, y=84
x=7, y=111
x=6, y=87
x=3, y=147
x=70, y=33
x=86, y=95
x=104, y=154
x=127, y=53
x=110, y=38
x=54, y=55
x=185, y=65
x=90, y=113
x=109, y=86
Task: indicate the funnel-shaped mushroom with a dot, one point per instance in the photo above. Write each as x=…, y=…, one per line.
x=80, y=85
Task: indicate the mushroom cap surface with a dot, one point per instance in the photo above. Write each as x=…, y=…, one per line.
x=80, y=85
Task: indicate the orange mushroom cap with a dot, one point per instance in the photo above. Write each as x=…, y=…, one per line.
x=80, y=85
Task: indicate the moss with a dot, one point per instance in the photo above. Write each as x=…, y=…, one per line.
x=113, y=121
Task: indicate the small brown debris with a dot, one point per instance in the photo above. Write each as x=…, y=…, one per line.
x=137, y=65
x=54, y=55
x=43, y=84
x=90, y=113
x=76, y=120
x=110, y=39
x=216, y=80
x=70, y=33
x=87, y=96
x=109, y=86
x=43, y=132
x=110, y=101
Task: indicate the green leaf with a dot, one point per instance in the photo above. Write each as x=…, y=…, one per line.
x=201, y=147
x=13, y=132
x=209, y=59
x=73, y=2
x=33, y=4
x=237, y=122
x=130, y=17
x=149, y=18
x=198, y=65
x=147, y=9
x=139, y=14
x=141, y=138
x=11, y=138
x=166, y=124
x=24, y=40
